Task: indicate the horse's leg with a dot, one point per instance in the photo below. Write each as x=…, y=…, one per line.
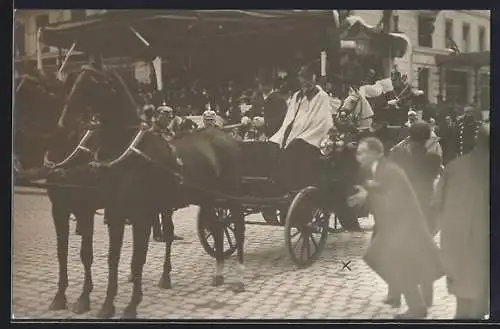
x=239, y=228
x=86, y=229
x=141, y=231
x=218, y=233
x=168, y=234
x=61, y=222
x=116, y=227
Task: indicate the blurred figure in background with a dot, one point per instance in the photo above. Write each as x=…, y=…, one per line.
x=463, y=204
x=421, y=165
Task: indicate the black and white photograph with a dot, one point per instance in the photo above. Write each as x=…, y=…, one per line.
x=232, y=164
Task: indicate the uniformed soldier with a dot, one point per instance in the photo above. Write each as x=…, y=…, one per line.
x=467, y=129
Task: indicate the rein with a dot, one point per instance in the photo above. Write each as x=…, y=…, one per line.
x=80, y=147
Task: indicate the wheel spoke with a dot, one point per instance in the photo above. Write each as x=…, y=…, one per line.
x=298, y=241
x=314, y=242
x=208, y=234
x=211, y=242
x=308, y=246
x=228, y=236
x=295, y=234
x=302, y=248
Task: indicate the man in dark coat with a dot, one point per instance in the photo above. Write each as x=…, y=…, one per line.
x=402, y=251
x=463, y=203
x=271, y=106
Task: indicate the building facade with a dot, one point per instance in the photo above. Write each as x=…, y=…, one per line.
x=448, y=56
x=432, y=36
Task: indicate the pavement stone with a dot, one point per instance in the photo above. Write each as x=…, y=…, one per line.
x=275, y=289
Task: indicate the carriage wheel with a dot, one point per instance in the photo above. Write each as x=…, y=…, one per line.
x=206, y=236
x=306, y=227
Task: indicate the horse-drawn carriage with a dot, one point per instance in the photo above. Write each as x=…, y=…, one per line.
x=147, y=163
x=316, y=30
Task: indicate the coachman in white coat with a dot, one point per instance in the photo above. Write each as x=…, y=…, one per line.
x=307, y=122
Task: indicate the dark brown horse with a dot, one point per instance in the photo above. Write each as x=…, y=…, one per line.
x=147, y=181
x=40, y=103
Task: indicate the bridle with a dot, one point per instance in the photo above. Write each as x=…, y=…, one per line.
x=81, y=147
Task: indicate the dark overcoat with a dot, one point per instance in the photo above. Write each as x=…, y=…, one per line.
x=464, y=222
x=402, y=251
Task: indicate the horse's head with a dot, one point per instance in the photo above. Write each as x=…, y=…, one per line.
x=351, y=102
x=37, y=106
x=99, y=93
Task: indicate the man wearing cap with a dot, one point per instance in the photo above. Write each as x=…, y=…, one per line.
x=209, y=119
x=306, y=123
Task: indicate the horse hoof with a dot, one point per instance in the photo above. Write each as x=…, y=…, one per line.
x=58, y=303
x=239, y=287
x=165, y=283
x=82, y=305
x=129, y=313
x=107, y=311
x=130, y=278
x=218, y=280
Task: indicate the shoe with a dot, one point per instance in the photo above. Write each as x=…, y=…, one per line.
x=393, y=301
x=412, y=315
x=178, y=238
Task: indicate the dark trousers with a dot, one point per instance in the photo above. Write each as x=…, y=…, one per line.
x=415, y=300
x=299, y=166
x=425, y=291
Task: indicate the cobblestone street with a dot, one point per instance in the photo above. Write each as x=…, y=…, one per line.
x=274, y=287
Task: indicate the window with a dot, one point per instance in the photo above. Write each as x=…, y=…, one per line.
x=482, y=39
x=466, y=37
x=448, y=33
x=78, y=14
x=456, y=87
x=42, y=21
x=425, y=31
x=423, y=81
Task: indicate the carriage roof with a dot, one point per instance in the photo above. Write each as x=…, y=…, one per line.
x=112, y=33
